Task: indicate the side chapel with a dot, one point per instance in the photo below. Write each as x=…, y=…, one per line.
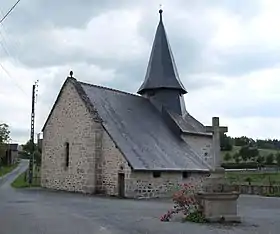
x=101, y=140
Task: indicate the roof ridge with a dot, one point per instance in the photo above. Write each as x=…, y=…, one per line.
x=110, y=89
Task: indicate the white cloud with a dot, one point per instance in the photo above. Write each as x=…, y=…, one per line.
x=228, y=59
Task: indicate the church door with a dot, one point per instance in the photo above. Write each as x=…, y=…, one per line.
x=121, y=185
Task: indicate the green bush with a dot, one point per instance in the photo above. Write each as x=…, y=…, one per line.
x=248, y=165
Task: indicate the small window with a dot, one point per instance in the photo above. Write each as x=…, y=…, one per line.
x=205, y=154
x=67, y=154
x=156, y=174
x=185, y=174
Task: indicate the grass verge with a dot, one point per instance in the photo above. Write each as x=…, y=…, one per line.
x=21, y=182
x=6, y=169
x=256, y=177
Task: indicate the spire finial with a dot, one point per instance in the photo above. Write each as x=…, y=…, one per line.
x=71, y=73
x=160, y=12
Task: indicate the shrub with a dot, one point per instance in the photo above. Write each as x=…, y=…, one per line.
x=185, y=201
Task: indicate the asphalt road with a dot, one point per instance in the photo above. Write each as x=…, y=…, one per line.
x=36, y=211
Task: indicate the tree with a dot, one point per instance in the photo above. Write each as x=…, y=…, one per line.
x=244, y=153
x=277, y=157
x=37, y=158
x=227, y=157
x=269, y=159
x=27, y=151
x=253, y=153
x=225, y=142
x=4, y=138
x=260, y=159
x=236, y=158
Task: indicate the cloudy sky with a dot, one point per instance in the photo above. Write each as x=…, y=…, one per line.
x=227, y=53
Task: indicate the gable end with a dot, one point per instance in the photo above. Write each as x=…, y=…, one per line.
x=82, y=95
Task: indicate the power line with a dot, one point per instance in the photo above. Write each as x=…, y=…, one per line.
x=5, y=16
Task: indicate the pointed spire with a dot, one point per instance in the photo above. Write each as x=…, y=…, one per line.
x=161, y=72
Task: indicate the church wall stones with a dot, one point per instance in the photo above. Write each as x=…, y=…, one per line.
x=70, y=122
x=144, y=185
x=113, y=164
x=202, y=144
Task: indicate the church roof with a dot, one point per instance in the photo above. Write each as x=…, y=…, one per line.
x=139, y=131
x=161, y=71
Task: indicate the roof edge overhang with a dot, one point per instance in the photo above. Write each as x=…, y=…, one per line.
x=171, y=170
x=143, y=90
x=197, y=133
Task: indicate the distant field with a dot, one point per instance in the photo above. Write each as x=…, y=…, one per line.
x=256, y=177
x=263, y=152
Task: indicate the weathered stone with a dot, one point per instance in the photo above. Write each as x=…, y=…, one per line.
x=220, y=207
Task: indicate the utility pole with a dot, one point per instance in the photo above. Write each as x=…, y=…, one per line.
x=31, y=159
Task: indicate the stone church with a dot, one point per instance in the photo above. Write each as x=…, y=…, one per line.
x=101, y=140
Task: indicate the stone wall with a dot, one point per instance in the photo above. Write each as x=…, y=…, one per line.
x=70, y=122
x=113, y=164
x=144, y=185
x=138, y=184
x=203, y=144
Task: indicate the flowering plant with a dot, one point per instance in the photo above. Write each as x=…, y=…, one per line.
x=185, y=201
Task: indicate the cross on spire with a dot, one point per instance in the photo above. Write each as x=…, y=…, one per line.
x=160, y=12
x=216, y=129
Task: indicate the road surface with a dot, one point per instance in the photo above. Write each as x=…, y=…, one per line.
x=36, y=211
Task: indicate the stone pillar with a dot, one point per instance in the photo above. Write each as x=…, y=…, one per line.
x=219, y=204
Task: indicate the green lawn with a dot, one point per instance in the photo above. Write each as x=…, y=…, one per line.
x=6, y=169
x=20, y=181
x=256, y=177
x=235, y=149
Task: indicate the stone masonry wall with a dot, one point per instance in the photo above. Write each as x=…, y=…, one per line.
x=144, y=185
x=203, y=145
x=70, y=122
x=113, y=163
x=138, y=184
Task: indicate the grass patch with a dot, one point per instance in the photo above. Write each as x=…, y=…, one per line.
x=235, y=149
x=7, y=169
x=21, y=182
x=256, y=177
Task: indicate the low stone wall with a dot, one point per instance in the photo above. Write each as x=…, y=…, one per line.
x=255, y=189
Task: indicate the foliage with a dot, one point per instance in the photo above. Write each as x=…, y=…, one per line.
x=269, y=159
x=236, y=157
x=28, y=147
x=248, y=165
x=195, y=217
x=4, y=138
x=7, y=169
x=37, y=158
x=225, y=142
x=260, y=159
x=272, y=144
x=248, y=153
x=185, y=202
x=227, y=157
x=249, y=180
x=277, y=158
x=27, y=150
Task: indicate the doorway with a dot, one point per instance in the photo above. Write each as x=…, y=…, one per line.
x=121, y=185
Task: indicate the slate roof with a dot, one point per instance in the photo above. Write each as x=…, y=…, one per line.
x=162, y=71
x=188, y=124
x=139, y=131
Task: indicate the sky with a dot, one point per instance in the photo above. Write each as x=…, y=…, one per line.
x=227, y=54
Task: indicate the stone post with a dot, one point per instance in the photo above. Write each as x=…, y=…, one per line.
x=218, y=203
